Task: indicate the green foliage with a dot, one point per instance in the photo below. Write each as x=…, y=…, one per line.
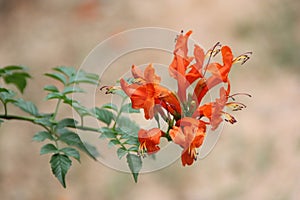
x=135, y=165
x=27, y=106
x=61, y=141
x=71, y=152
x=15, y=75
x=72, y=139
x=104, y=115
x=42, y=135
x=60, y=164
x=48, y=148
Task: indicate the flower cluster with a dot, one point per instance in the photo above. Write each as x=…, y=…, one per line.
x=187, y=119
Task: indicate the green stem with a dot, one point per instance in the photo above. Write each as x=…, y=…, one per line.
x=5, y=107
x=56, y=109
x=32, y=120
x=119, y=113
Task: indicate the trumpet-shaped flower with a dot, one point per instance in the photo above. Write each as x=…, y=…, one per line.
x=189, y=134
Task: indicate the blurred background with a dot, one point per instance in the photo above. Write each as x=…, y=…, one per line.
x=256, y=158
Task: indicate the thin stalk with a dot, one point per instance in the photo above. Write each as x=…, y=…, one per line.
x=56, y=109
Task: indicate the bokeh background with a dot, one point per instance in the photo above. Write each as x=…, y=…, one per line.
x=256, y=158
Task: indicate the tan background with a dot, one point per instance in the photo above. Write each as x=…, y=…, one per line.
x=257, y=158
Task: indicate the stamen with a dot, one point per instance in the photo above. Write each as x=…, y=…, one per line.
x=229, y=118
x=212, y=53
x=235, y=106
x=110, y=89
x=242, y=58
x=232, y=96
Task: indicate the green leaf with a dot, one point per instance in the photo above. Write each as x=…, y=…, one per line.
x=83, y=77
x=134, y=148
x=60, y=164
x=45, y=121
x=71, y=152
x=61, y=78
x=132, y=141
x=104, y=115
x=92, y=149
x=127, y=126
x=51, y=88
x=11, y=68
x=48, y=148
x=7, y=96
x=113, y=142
x=110, y=106
x=1, y=121
x=15, y=75
x=121, y=152
x=134, y=164
x=4, y=90
x=54, y=95
x=107, y=132
x=72, y=89
x=27, y=106
x=68, y=71
x=120, y=93
x=72, y=139
x=41, y=136
x=18, y=79
x=127, y=108
x=80, y=109
x=66, y=122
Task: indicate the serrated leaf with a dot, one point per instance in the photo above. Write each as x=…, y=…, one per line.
x=72, y=139
x=60, y=164
x=41, y=136
x=72, y=89
x=104, y=115
x=107, y=132
x=134, y=164
x=27, y=106
x=80, y=109
x=61, y=78
x=51, y=88
x=110, y=106
x=84, y=77
x=127, y=108
x=68, y=71
x=71, y=152
x=121, y=152
x=45, y=121
x=127, y=126
x=113, y=142
x=66, y=122
x=18, y=79
x=48, y=148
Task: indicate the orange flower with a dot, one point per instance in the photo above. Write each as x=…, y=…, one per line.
x=219, y=74
x=189, y=133
x=214, y=110
x=180, y=69
x=146, y=92
x=149, y=140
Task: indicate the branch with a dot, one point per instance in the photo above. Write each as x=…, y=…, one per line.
x=32, y=120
